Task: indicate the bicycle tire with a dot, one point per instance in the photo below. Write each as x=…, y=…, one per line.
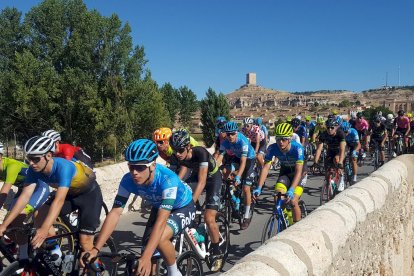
x=324, y=197
x=62, y=228
x=303, y=209
x=273, y=226
x=14, y=269
x=190, y=264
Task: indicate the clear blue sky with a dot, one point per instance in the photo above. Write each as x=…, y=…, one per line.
x=291, y=45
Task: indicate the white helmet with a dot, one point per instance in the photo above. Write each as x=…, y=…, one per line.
x=53, y=134
x=248, y=121
x=390, y=117
x=39, y=145
x=1, y=148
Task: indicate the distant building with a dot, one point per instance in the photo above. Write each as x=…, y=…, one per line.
x=394, y=105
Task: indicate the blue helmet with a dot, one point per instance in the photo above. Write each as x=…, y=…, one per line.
x=220, y=119
x=141, y=151
x=230, y=127
x=259, y=121
x=345, y=126
x=339, y=120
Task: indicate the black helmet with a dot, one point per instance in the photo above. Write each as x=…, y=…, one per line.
x=377, y=119
x=359, y=115
x=295, y=122
x=179, y=139
x=331, y=123
x=401, y=112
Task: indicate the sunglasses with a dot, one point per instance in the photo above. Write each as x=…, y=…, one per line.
x=330, y=127
x=180, y=150
x=139, y=167
x=283, y=139
x=34, y=159
x=231, y=133
x=160, y=143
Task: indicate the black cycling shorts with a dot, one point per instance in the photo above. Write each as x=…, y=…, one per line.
x=89, y=205
x=213, y=189
x=248, y=173
x=262, y=147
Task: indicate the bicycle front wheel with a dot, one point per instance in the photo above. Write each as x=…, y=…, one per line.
x=273, y=226
x=18, y=268
x=190, y=264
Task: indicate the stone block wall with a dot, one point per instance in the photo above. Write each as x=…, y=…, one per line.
x=365, y=230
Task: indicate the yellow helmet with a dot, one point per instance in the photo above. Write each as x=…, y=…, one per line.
x=284, y=130
x=409, y=115
x=288, y=119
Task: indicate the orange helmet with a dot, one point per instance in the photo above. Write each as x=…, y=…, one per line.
x=162, y=134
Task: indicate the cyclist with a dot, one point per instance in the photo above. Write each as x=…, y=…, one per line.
x=172, y=206
x=334, y=138
x=352, y=121
x=300, y=130
x=13, y=172
x=67, y=151
x=256, y=137
x=402, y=128
x=245, y=158
x=362, y=126
x=259, y=122
x=389, y=125
x=220, y=121
x=293, y=170
x=228, y=157
x=310, y=126
x=319, y=128
x=76, y=189
x=378, y=133
x=205, y=175
x=352, y=141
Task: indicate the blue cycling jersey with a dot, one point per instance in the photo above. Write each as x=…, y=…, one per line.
x=352, y=137
x=167, y=191
x=67, y=174
x=301, y=132
x=240, y=148
x=288, y=160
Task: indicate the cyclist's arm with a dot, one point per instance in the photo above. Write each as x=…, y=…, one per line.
x=257, y=143
x=4, y=191
x=264, y=173
x=408, y=130
x=318, y=152
x=202, y=178
x=21, y=202
x=358, y=146
x=342, y=146
x=219, y=159
x=242, y=166
x=109, y=225
x=302, y=141
x=183, y=172
x=55, y=207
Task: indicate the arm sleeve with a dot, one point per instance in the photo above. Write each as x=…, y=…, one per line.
x=121, y=198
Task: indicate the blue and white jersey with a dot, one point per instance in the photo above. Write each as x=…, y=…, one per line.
x=264, y=129
x=167, y=191
x=301, y=132
x=352, y=137
x=240, y=148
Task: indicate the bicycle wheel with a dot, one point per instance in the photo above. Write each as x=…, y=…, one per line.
x=16, y=268
x=190, y=264
x=66, y=243
x=327, y=193
x=273, y=226
x=303, y=209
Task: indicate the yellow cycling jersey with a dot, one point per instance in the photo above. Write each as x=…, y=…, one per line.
x=13, y=171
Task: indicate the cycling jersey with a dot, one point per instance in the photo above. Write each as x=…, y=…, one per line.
x=389, y=125
x=319, y=129
x=166, y=191
x=296, y=138
x=288, y=160
x=220, y=140
x=361, y=124
x=352, y=122
x=301, y=131
x=200, y=157
x=402, y=122
x=264, y=129
x=352, y=137
x=240, y=148
x=13, y=171
x=332, y=141
x=377, y=131
x=66, y=151
x=76, y=176
x=252, y=133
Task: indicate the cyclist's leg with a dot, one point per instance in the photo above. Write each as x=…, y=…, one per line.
x=247, y=181
x=213, y=189
x=176, y=223
x=353, y=155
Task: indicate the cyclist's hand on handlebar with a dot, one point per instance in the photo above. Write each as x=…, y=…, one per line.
x=2, y=230
x=144, y=267
x=237, y=179
x=257, y=191
x=290, y=194
x=87, y=257
x=40, y=237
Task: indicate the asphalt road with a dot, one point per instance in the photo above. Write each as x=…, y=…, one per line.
x=132, y=225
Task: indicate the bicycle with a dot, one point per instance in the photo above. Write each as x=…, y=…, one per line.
x=376, y=155
x=188, y=263
x=42, y=262
x=330, y=186
x=399, y=145
x=197, y=238
x=282, y=216
x=348, y=170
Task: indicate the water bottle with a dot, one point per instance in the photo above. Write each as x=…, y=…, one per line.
x=196, y=235
x=286, y=216
x=289, y=214
x=67, y=264
x=201, y=231
x=333, y=184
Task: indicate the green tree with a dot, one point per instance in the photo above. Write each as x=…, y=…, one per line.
x=171, y=99
x=370, y=113
x=212, y=106
x=344, y=103
x=189, y=105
